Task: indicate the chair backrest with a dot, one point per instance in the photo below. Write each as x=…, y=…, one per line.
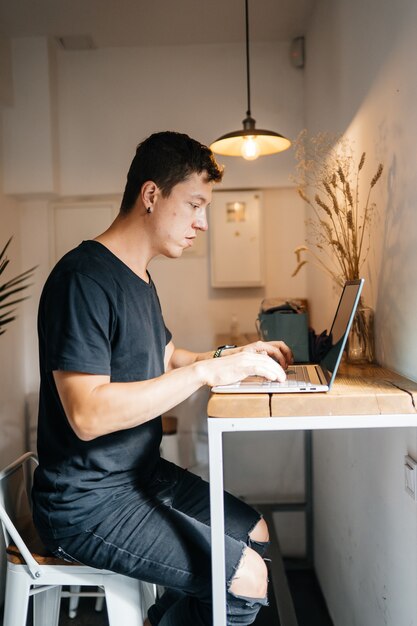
x=15, y=509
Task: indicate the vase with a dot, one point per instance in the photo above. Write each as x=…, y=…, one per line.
x=361, y=342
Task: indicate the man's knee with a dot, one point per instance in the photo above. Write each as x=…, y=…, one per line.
x=260, y=532
x=251, y=577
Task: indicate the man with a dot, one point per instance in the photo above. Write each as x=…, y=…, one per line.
x=109, y=369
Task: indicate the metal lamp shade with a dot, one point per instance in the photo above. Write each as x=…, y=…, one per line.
x=268, y=142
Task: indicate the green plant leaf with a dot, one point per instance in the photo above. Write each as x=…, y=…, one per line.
x=3, y=322
x=18, y=279
x=13, y=291
x=10, y=288
x=6, y=305
x=3, y=252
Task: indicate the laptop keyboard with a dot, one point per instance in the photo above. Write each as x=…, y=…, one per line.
x=296, y=377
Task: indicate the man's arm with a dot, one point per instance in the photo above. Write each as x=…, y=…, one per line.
x=95, y=406
x=178, y=357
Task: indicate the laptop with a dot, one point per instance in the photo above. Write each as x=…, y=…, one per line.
x=310, y=377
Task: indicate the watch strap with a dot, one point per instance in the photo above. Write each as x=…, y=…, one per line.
x=219, y=350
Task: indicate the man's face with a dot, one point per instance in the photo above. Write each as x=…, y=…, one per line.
x=178, y=217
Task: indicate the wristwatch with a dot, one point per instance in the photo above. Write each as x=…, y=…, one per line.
x=219, y=350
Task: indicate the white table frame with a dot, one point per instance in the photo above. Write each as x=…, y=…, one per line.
x=219, y=425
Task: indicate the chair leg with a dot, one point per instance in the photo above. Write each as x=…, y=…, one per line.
x=124, y=601
x=149, y=593
x=16, y=599
x=46, y=607
x=99, y=604
x=73, y=601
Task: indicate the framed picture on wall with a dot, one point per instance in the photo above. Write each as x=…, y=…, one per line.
x=236, y=250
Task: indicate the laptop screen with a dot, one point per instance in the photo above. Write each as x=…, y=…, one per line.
x=342, y=323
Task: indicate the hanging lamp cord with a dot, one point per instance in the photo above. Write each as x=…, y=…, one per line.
x=248, y=112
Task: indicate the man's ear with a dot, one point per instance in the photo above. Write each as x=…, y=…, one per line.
x=148, y=192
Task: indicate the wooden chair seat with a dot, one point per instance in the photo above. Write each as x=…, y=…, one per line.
x=43, y=557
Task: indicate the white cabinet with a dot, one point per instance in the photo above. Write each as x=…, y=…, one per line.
x=236, y=250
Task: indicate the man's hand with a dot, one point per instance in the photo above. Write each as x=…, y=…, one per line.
x=277, y=350
x=239, y=365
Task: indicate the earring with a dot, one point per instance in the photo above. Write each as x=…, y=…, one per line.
x=149, y=210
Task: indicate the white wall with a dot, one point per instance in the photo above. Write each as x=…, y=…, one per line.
x=111, y=99
x=359, y=80
x=6, y=87
x=29, y=141
x=12, y=383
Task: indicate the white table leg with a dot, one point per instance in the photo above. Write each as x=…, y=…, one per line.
x=215, y=444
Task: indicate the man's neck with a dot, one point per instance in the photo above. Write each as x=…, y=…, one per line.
x=126, y=240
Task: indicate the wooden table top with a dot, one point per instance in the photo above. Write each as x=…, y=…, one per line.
x=357, y=390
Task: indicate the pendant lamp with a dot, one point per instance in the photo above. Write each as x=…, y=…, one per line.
x=249, y=142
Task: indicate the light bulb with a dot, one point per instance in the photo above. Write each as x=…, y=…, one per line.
x=250, y=148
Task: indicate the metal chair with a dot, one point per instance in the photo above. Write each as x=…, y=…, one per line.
x=33, y=572
x=75, y=593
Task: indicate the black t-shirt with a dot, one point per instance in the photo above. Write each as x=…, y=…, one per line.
x=95, y=316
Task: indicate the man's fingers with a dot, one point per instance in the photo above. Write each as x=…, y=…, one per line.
x=249, y=362
x=269, y=368
x=281, y=353
x=277, y=350
x=287, y=353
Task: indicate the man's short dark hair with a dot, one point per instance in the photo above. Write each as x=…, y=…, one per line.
x=167, y=158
